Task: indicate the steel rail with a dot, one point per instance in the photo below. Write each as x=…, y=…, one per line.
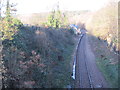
x=88, y=74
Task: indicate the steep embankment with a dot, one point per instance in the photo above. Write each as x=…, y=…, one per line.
x=39, y=57
x=103, y=24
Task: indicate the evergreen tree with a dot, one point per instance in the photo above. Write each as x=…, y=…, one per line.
x=56, y=19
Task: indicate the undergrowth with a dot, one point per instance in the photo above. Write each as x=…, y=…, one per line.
x=39, y=58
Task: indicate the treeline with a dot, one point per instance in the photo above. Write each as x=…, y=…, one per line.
x=103, y=24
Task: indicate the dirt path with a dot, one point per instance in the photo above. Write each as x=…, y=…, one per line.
x=87, y=74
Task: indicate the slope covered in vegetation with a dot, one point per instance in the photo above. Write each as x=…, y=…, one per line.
x=103, y=24
x=39, y=57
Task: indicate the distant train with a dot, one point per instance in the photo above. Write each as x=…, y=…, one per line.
x=75, y=28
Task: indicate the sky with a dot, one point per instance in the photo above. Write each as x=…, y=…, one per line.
x=36, y=6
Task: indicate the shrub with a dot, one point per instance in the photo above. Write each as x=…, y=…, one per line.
x=32, y=57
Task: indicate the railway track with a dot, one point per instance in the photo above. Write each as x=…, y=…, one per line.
x=83, y=78
x=80, y=77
